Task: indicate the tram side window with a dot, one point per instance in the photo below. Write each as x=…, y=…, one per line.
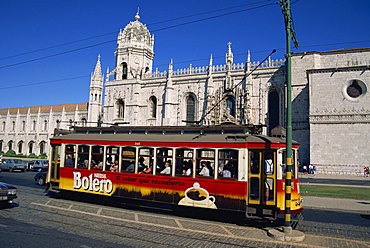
x=269, y=163
x=112, y=156
x=228, y=164
x=184, y=162
x=83, y=156
x=164, y=160
x=283, y=166
x=205, y=163
x=70, y=153
x=128, y=159
x=97, y=154
x=254, y=158
x=146, y=160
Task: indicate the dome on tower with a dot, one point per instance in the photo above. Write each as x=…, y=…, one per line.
x=136, y=34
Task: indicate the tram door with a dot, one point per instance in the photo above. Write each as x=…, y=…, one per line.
x=262, y=177
x=54, y=163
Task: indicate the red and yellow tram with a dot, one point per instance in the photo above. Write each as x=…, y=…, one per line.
x=225, y=167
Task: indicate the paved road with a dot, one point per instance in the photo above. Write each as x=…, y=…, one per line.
x=117, y=227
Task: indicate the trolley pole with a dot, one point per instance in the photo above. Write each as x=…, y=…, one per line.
x=285, y=4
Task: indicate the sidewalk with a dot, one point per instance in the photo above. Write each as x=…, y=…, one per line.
x=347, y=205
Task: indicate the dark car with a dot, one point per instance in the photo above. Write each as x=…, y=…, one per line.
x=7, y=193
x=40, y=178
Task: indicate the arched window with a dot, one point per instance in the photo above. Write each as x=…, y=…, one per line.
x=273, y=110
x=4, y=126
x=120, y=109
x=230, y=106
x=30, y=147
x=23, y=125
x=42, y=147
x=83, y=122
x=124, y=70
x=13, y=126
x=10, y=145
x=1, y=145
x=153, y=107
x=20, y=146
x=190, y=109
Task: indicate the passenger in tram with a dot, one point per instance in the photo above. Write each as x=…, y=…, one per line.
x=226, y=172
x=167, y=169
x=131, y=167
x=109, y=161
x=142, y=166
x=187, y=168
x=234, y=171
x=269, y=164
x=114, y=167
x=69, y=160
x=205, y=170
x=148, y=170
x=80, y=162
x=86, y=163
x=97, y=166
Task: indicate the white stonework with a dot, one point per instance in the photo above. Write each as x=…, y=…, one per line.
x=27, y=130
x=331, y=126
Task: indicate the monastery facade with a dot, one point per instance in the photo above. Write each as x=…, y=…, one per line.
x=330, y=99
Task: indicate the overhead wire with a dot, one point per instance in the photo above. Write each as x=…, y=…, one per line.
x=156, y=30
x=153, y=31
x=150, y=24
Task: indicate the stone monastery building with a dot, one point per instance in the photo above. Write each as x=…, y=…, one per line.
x=330, y=98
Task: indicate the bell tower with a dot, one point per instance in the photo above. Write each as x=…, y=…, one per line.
x=135, y=51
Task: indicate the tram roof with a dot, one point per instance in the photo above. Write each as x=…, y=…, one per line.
x=191, y=134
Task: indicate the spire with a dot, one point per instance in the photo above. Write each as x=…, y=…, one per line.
x=248, y=64
x=97, y=72
x=210, y=61
x=229, y=55
x=210, y=66
x=170, y=66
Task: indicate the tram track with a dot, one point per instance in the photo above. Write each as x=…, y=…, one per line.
x=178, y=231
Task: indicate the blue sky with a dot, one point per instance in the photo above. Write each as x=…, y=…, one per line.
x=33, y=25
